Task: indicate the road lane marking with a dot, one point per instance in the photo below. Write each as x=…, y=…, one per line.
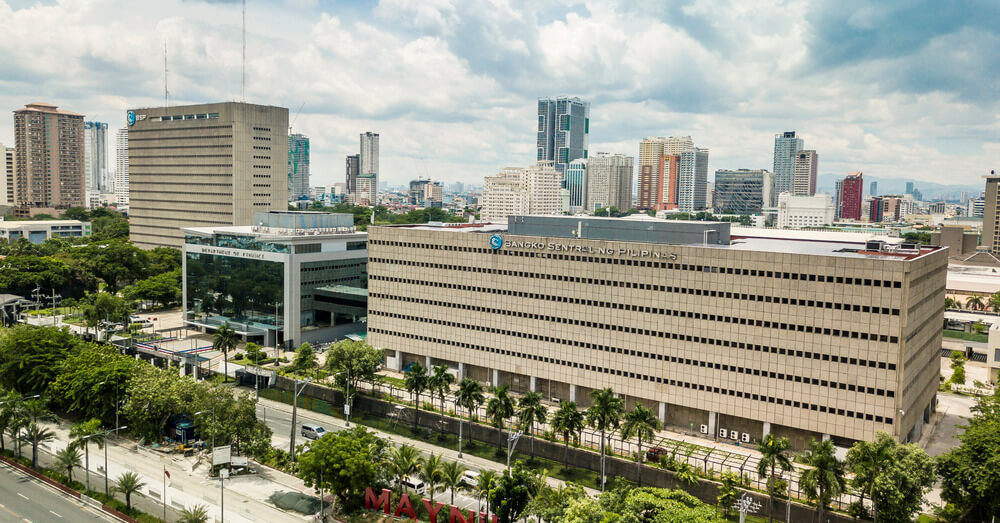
x=23, y=496
x=56, y=514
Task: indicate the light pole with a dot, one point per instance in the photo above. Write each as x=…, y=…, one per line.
x=459, y=427
x=347, y=394
x=295, y=404
x=212, y=410
x=788, y=502
x=511, y=443
x=106, y=472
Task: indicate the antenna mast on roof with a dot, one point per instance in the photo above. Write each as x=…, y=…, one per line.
x=165, y=92
x=243, y=87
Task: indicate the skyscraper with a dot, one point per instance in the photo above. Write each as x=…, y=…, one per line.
x=353, y=168
x=692, y=180
x=203, y=166
x=7, y=182
x=804, y=178
x=785, y=147
x=563, y=130
x=49, y=153
x=851, y=194
x=909, y=187
x=742, y=191
x=515, y=191
x=298, y=166
x=873, y=189
x=367, y=182
x=95, y=156
x=576, y=184
x=659, y=161
x=121, y=167
x=609, y=181
x=991, y=207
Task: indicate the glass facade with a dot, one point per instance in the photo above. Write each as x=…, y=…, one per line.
x=249, y=294
x=237, y=241
x=317, y=310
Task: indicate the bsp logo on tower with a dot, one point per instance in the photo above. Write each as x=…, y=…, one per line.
x=496, y=242
x=130, y=116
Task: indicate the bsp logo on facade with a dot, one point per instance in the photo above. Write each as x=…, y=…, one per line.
x=496, y=242
x=131, y=118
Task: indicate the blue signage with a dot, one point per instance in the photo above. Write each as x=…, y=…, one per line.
x=131, y=118
x=496, y=241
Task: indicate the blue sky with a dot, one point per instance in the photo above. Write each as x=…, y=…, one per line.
x=904, y=89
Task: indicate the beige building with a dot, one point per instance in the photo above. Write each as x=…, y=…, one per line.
x=48, y=166
x=804, y=177
x=516, y=191
x=991, y=216
x=609, y=181
x=659, y=159
x=804, y=339
x=7, y=178
x=204, y=166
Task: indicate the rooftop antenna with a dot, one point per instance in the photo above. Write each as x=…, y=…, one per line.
x=165, y=92
x=243, y=87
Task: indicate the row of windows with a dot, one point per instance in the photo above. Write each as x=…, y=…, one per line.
x=654, y=264
x=202, y=116
x=135, y=139
x=684, y=314
x=262, y=176
x=262, y=147
x=262, y=138
x=335, y=266
x=263, y=129
x=261, y=157
x=646, y=332
x=261, y=166
x=134, y=165
x=644, y=377
x=152, y=147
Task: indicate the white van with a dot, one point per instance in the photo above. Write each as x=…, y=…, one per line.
x=312, y=431
x=415, y=485
x=470, y=478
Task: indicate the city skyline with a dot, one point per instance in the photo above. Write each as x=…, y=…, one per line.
x=855, y=83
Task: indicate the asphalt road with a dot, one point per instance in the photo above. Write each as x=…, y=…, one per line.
x=26, y=500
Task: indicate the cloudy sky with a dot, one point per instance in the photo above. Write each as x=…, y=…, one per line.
x=906, y=89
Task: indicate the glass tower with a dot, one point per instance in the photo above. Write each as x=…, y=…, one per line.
x=785, y=147
x=563, y=130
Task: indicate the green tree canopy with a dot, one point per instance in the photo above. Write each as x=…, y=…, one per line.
x=511, y=493
x=31, y=356
x=360, y=359
x=349, y=460
x=968, y=473
x=88, y=379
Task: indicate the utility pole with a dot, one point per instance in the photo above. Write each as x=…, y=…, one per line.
x=37, y=295
x=295, y=403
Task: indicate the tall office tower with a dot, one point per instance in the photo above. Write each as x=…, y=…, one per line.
x=692, y=180
x=7, y=182
x=367, y=184
x=563, y=130
x=202, y=166
x=609, y=181
x=576, y=184
x=991, y=206
x=95, y=156
x=963, y=197
x=298, y=166
x=837, y=188
x=49, y=168
x=514, y=191
x=804, y=178
x=851, y=193
x=659, y=160
x=909, y=187
x=873, y=189
x=353, y=167
x=742, y=191
x=786, y=145
x=121, y=167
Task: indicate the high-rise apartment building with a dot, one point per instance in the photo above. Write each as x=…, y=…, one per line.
x=576, y=184
x=609, y=181
x=659, y=164
x=515, y=191
x=121, y=167
x=426, y=193
x=742, y=191
x=367, y=181
x=95, y=157
x=7, y=183
x=204, y=166
x=991, y=213
x=49, y=160
x=804, y=177
x=298, y=166
x=786, y=145
x=837, y=188
x=351, y=174
x=692, y=180
x=563, y=130
x=851, y=193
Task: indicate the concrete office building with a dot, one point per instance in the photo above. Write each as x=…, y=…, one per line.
x=850, y=195
x=206, y=165
x=742, y=191
x=121, y=167
x=367, y=181
x=425, y=193
x=786, y=145
x=563, y=131
x=609, y=181
x=805, y=211
x=804, y=177
x=838, y=187
x=48, y=160
x=298, y=166
x=289, y=278
x=576, y=185
x=515, y=191
x=95, y=158
x=38, y=231
x=991, y=213
x=802, y=339
x=692, y=180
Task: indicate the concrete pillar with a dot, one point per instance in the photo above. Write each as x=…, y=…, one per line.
x=496, y=377
x=181, y=368
x=532, y=384
x=427, y=362
x=399, y=361
x=572, y=392
x=663, y=412
x=711, y=425
x=826, y=437
x=461, y=371
x=767, y=429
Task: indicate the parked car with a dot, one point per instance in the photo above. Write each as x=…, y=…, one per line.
x=470, y=478
x=415, y=485
x=653, y=454
x=312, y=431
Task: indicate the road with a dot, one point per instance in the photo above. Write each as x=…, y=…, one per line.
x=27, y=500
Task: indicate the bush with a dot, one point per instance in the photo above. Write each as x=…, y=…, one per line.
x=238, y=356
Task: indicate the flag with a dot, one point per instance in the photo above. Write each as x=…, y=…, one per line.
x=165, y=473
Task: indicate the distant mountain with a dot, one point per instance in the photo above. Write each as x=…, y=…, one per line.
x=929, y=191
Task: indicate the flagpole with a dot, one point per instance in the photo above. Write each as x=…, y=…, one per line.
x=164, y=492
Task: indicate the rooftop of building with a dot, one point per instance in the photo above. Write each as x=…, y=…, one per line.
x=287, y=225
x=46, y=108
x=176, y=108
x=17, y=224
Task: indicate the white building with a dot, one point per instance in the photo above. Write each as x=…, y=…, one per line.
x=121, y=167
x=692, y=182
x=38, y=231
x=804, y=211
x=367, y=189
x=7, y=176
x=95, y=159
x=609, y=181
x=518, y=191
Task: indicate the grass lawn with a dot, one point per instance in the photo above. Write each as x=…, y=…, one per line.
x=967, y=336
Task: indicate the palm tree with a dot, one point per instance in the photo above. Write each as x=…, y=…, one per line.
x=430, y=471
x=35, y=434
x=530, y=411
x=974, y=303
x=404, y=461
x=482, y=488
x=440, y=381
x=994, y=302
x=225, y=340
x=773, y=456
x=128, y=483
x=67, y=459
x=7, y=413
x=17, y=423
x=470, y=396
x=195, y=514
x=498, y=409
x=686, y=473
x=825, y=480
x=604, y=414
x=950, y=303
x=416, y=384
x=569, y=422
x=84, y=434
x=451, y=477
x=866, y=460
x=640, y=424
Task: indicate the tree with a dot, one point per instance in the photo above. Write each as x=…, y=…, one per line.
x=404, y=461
x=728, y=493
x=510, y=494
x=91, y=380
x=30, y=356
x=686, y=474
x=67, y=459
x=83, y=434
x=483, y=487
x=567, y=421
x=254, y=352
x=225, y=340
x=9, y=402
x=195, y=514
x=163, y=289
x=470, y=396
x=893, y=475
x=416, y=384
x=430, y=471
x=951, y=303
x=550, y=504
x=970, y=484
x=825, y=480
x=974, y=303
x=640, y=424
x=994, y=302
x=530, y=411
x=772, y=450
x=604, y=415
x=349, y=461
x=499, y=409
x=32, y=412
x=439, y=382
x=357, y=358
x=584, y=510
x=957, y=367
x=128, y=483
x=305, y=358
x=451, y=477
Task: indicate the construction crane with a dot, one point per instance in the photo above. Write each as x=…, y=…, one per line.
x=296, y=117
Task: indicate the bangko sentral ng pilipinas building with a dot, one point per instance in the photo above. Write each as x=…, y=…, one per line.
x=725, y=336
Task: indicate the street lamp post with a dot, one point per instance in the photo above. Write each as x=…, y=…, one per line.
x=511, y=443
x=347, y=394
x=295, y=404
x=459, y=427
x=106, y=471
